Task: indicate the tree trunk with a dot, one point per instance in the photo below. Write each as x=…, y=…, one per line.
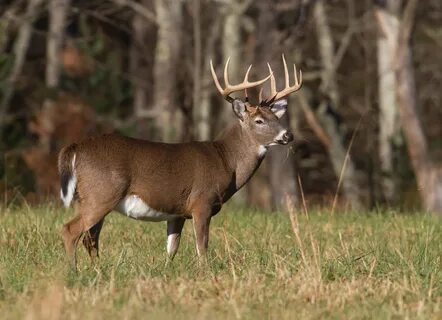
x=232, y=48
x=5, y=25
x=282, y=175
x=343, y=166
x=428, y=174
x=141, y=70
x=20, y=50
x=387, y=19
x=57, y=23
x=202, y=108
x=169, y=117
x=200, y=116
x=280, y=160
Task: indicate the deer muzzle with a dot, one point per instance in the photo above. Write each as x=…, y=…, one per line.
x=284, y=137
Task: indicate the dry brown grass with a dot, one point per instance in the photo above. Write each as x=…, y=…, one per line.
x=261, y=265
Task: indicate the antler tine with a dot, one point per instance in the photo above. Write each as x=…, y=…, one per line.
x=260, y=94
x=255, y=83
x=274, y=94
x=246, y=77
x=215, y=78
x=226, y=73
x=273, y=91
x=229, y=88
x=288, y=89
x=286, y=73
x=299, y=83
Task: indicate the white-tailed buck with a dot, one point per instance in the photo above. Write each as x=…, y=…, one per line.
x=170, y=182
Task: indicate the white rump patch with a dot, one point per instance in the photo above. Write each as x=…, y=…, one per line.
x=72, y=184
x=134, y=207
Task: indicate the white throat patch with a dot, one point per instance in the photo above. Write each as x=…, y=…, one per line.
x=262, y=150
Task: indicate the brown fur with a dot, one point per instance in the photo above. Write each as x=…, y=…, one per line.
x=191, y=180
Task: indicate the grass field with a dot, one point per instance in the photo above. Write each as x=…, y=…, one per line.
x=262, y=266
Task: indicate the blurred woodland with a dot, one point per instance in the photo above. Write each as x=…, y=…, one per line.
x=367, y=121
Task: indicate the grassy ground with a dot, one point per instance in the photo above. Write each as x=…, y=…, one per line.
x=377, y=265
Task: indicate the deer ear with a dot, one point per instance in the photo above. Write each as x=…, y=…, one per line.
x=239, y=108
x=279, y=107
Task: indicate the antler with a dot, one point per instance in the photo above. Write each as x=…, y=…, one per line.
x=275, y=95
x=237, y=87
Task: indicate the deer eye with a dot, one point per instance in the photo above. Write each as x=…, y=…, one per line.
x=259, y=121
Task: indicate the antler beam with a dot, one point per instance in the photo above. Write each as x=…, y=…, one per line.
x=229, y=88
x=276, y=95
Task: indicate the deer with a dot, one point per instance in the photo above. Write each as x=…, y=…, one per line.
x=172, y=182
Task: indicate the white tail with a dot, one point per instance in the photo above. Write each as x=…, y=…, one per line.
x=68, y=183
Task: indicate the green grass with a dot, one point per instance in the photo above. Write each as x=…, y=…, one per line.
x=261, y=265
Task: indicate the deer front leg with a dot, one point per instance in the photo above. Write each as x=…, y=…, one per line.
x=201, y=222
x=174, y=228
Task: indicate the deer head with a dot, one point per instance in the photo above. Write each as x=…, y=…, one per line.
x=261, y=120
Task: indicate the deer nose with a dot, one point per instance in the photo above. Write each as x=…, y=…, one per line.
x=284, y=137
x=287, y=137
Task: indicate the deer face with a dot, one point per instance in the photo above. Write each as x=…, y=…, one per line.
x=263, y=122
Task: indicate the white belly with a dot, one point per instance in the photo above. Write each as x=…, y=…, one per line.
x=134, y=207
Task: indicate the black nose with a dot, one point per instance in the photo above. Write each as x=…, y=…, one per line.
x=287, y=137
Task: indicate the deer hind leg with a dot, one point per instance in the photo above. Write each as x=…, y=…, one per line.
x=86, y=219
x=71, y=233
x=174, y=228
x=91, y=239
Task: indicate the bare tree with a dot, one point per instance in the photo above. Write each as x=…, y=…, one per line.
x=168, y=114
x=6, y=20
x=57, y=22
x=232, y=44
x=386, y=13
x=281, y=162
x=428, y=173
x=203, y=83
x=57, y=15
x=200, y=116
x=20, y=50
x=343, y=165
x=141, y=70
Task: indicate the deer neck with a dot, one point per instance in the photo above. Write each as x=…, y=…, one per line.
x=241, y=153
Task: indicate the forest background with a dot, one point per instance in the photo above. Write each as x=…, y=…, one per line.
x=367, y=121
